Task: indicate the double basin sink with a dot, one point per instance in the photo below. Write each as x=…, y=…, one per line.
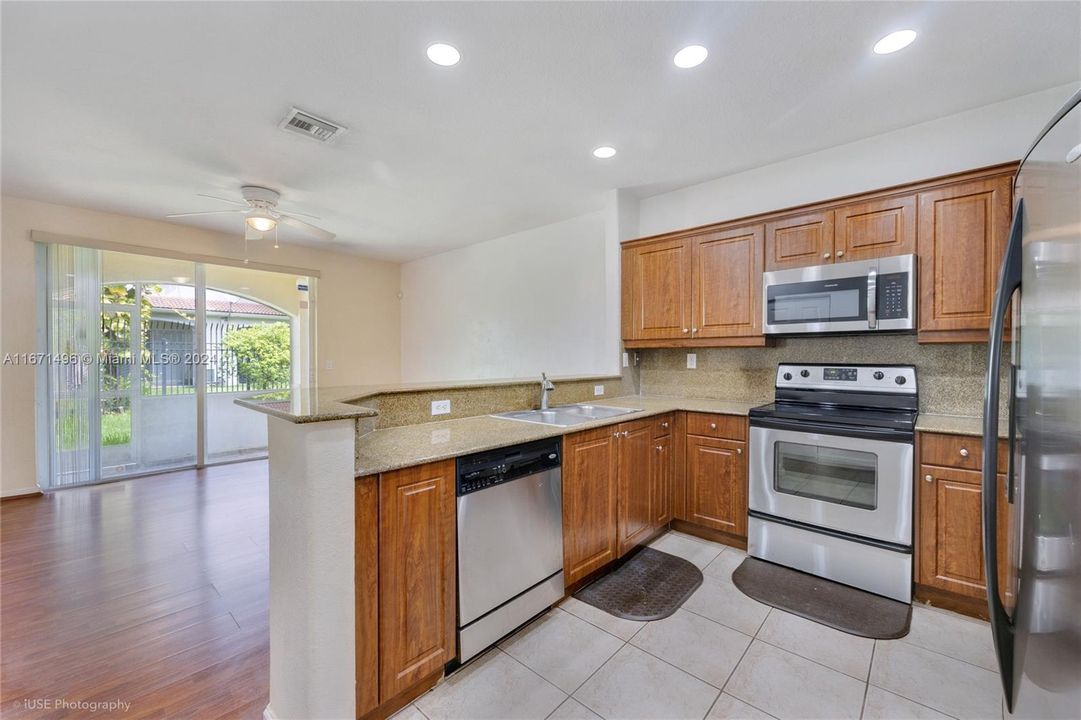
x=566, y=415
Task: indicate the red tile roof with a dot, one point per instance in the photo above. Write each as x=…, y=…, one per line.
x=237, y=307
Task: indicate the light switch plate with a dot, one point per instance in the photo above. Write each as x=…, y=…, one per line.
x=692, y=361
x=598, y=389
x=626, y=360
x=330, y=364
x=440, y=407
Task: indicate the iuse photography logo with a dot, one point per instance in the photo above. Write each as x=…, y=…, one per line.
x=86, y=706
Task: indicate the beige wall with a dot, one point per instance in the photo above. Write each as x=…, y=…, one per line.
x=358, y=319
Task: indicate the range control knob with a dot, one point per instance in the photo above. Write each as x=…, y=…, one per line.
x=805, y=373
x=787, y=376
x=879, y=375
x=900, y=380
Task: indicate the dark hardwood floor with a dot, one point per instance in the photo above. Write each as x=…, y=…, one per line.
x=151, y=592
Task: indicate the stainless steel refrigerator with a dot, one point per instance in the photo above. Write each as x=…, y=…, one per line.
x=1036, y=609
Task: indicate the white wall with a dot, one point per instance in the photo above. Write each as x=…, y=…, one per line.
x=985, y=136
x=510, y=307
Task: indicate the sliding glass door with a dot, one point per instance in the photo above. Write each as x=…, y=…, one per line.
x=149, y=354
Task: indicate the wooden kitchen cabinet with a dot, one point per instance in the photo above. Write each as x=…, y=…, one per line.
x=657, y=290
x=717, y=484
x=961, y=239
x=662, y=471
x=950, y=510
x=726, y=283
x=799, y=240
x=875, y=228
x=589, y=502
x=417, y=575
x=634, y=489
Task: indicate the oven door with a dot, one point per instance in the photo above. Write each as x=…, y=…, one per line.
x=852, y=485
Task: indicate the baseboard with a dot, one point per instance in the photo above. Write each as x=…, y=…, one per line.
x=20, y=493
x=736, y=541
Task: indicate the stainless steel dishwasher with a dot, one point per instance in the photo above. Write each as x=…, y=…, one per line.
x=510, y=540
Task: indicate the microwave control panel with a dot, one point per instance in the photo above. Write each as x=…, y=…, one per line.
x=892, y=300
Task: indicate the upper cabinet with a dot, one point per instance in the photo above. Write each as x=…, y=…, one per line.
x=875, y=228
x=695, y=290
x=799, y=240
x=703, y=287
x=962, y=237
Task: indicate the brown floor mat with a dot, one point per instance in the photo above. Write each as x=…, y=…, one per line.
x=650, y=586
x=839, y=606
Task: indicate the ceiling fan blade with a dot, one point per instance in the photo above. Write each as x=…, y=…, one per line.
x=209, y=212
x=294, y=212
x=231, y=202
x=308, y=228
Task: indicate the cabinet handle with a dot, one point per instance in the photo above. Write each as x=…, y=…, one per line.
x=615, y=434
x=825, y=256
x=659, y=448
x=840, y=253
x=713, y=426
x=685, y=330
x=964, y=452
x=664, y=424
x=739, y=451
x=626, y=433
x=928, y=478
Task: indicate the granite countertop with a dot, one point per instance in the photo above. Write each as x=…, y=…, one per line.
x=956, y=424
x=399, y=447
x=345, y=402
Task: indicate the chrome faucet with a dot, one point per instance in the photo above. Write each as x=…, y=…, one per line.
x=546, y=387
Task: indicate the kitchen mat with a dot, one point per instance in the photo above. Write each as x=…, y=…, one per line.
x=845, y=608
x=650, y=586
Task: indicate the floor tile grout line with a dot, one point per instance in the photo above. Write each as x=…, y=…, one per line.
x=867, y=683
x=936, y=652
x=734, y=669
x=566, y=695
x=587, y=620
x=914, y=702
x=597, y=670
x=817, y=662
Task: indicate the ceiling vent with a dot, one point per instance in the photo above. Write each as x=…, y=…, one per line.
x=303, y=123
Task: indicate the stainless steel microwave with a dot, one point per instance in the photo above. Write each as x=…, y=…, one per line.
x=862, y=296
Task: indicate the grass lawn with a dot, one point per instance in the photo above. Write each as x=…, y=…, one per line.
x=115, y=429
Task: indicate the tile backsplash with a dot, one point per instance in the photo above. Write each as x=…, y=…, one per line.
x=950, y=376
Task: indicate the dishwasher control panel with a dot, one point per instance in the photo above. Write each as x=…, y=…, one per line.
x=490, y=468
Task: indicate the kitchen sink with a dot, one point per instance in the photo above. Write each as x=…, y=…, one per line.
x=566, y=415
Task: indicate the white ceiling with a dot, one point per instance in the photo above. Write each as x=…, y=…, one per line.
x=136, y=107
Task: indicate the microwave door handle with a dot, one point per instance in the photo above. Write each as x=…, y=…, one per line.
x=872, y=299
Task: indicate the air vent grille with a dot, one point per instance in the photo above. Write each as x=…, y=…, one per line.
x=310, y=126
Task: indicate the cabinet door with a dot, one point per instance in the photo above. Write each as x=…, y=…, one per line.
x=589, y=502
x=717, y=484
x=657, y=278
x=799, y=240
x=417, y=575
x=634, y=493
x=876, y=228
x=662, y=468
x=951, y=533
x=366, y=577
x=727, y=283
x=961, y=239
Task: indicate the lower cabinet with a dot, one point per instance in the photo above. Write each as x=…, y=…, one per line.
x=634, y=489
x=716, y=488
x=662, y=473
x=405, y=581
x=589, y=502
x=950, y=512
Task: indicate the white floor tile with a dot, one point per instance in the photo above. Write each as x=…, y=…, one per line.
x=571, y=709
x=634, y=685
x=562, y=648
x=789, y=686
x=624, y=629
x=493, y=687
x=835, y=649
x=883, y=705
x=699, y=552
x=705, y=649
x=730, y=708
x=954, y=635
x=722, y=601
x=409, y=712
x=725, y=564
x=937, y=681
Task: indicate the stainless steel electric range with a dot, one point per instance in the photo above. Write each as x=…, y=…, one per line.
x=831, y=474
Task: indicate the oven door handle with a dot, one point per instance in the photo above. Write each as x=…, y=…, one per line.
x=872, y=299
x=810, y=426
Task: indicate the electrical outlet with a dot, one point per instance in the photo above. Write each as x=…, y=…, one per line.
x=598, y=389
x=626, y=360
x=440, y=407
x=692, y=361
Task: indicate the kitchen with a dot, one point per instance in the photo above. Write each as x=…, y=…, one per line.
x=757, y=399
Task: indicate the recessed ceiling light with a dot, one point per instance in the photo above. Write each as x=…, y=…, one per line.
x=604, y=152
x=443, y=54
x=690, y=56
x=895, y=41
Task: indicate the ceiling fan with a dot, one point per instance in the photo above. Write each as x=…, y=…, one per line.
x=261, y=214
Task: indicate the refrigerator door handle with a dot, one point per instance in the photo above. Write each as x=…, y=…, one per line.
x=1002, y=630
x=1011, y=433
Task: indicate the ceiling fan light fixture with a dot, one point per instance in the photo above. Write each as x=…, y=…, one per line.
x=260, y=221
